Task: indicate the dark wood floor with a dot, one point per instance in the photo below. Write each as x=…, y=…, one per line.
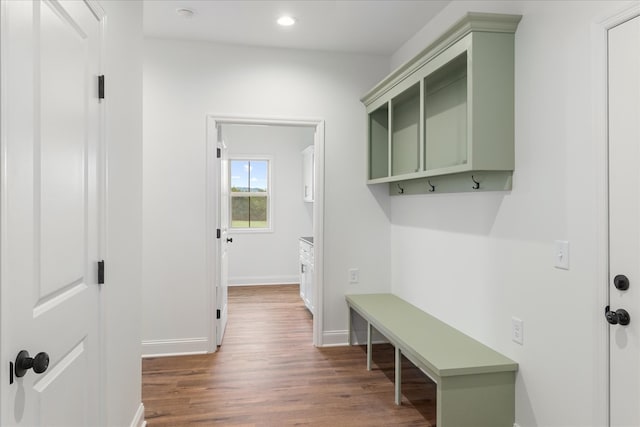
x=267, y=373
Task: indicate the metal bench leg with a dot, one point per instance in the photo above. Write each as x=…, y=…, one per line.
x=369, y=355
x=398, y=376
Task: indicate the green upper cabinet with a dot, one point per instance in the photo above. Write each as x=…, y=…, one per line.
x=449, y=110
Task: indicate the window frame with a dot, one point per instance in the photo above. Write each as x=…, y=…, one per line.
x=269, y=193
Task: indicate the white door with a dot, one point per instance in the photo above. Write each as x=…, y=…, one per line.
x=624, y=221
x=223, y=225
x=49, y=213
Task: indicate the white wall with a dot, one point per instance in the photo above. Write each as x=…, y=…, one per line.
x=476, y=260
x=184, y=81
x=122, y=291
x=272, y=257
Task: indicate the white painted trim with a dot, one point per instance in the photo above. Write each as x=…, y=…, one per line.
x=175, y=347
x=4, y=307
x=599, y=83
x=600, y=411
x=213, y=120
x=335, y=338
x=264, y=280
x=96, y=9
x=318, y=234
x=138, y=418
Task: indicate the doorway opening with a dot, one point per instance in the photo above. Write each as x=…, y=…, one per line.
x=250, y=192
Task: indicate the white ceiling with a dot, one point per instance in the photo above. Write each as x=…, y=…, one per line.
x=368, y=26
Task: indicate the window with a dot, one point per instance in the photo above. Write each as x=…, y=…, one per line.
x=250, y=194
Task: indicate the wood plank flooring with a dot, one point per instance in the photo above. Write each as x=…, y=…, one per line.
x=267, y=373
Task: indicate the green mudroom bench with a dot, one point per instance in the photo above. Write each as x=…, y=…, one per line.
x=475, y=384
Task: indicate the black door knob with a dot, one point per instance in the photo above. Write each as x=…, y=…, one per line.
x=39, y=364
x=621, y=282
x=230, y=239
x=620, y=316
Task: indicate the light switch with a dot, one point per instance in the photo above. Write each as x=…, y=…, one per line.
x=354, y=275
x=517, y=330
x=561, y=254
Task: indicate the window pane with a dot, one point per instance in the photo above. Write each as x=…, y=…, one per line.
x=239, y=175
x=258, y=173
x=249, y=193
x=258, y=210
x=240, y=212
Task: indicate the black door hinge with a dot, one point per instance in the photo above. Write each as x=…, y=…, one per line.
x=218, y=153
x=10, y=372
x=100, y=272
x=101, y=87
x=217, y=314
x=218, y=233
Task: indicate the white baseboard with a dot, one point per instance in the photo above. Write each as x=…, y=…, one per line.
x=335, y=338
x=263, y=280
x=138, y=418
x=174, y=347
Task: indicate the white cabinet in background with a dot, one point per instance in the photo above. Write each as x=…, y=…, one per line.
x=307, y=173
x=306, y=274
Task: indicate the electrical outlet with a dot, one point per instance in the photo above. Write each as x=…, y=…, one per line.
x=517, y=330
x=354, y=275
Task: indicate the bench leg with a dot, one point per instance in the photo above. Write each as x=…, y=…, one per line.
x=369, y=355
x=398, y=376
x=349, y=329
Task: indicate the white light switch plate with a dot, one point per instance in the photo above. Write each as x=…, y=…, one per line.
x=517, y=330
x=354, y=275
x=561, y=254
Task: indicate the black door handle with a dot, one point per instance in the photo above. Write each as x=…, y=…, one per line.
x=39, y=364
x=620, y=316
x=230, y=239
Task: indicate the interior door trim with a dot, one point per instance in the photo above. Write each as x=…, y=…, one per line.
x=215, y=120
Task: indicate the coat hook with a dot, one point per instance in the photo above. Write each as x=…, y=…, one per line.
x=400, y=189
x=476, y=184
x=433, y=187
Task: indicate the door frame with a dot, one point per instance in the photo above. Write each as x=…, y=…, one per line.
x=215, y=120
x=101, y=186
x=600, y=128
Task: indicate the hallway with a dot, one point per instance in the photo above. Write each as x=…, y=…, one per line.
x=267, y=373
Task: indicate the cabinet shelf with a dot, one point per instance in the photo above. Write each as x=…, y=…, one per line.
x=449, y=110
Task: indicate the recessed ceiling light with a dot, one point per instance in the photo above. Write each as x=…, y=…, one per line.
x=185, y=13
x=286, y=21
